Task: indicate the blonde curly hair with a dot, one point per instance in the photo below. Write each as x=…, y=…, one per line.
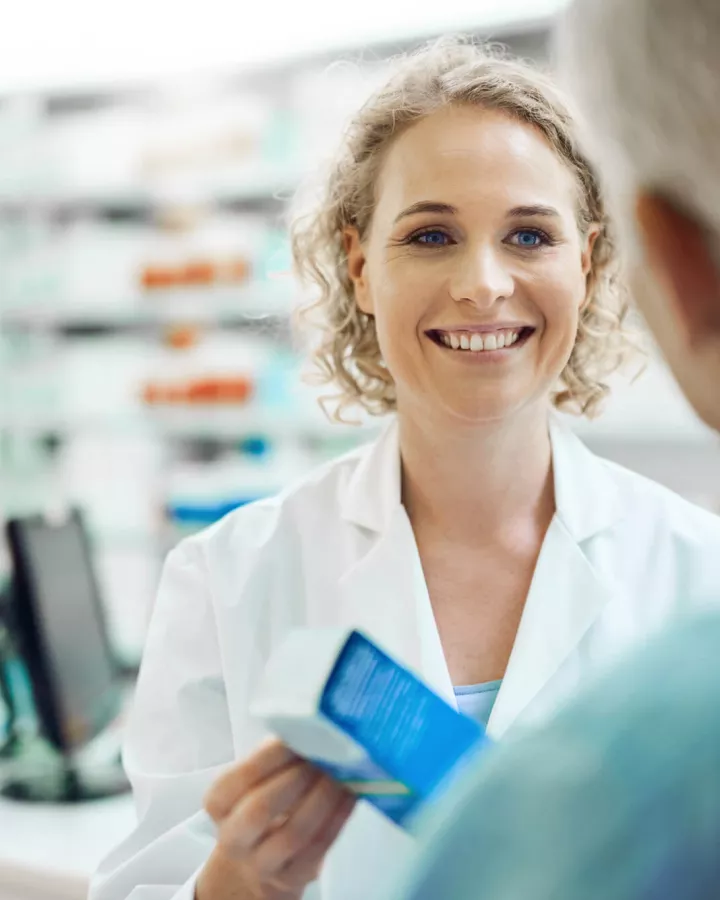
x=460, y=72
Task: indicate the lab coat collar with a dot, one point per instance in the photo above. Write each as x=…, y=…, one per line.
x=384, y=592
x=587, y=498
x=373, y=493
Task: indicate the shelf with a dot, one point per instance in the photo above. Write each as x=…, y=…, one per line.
x=228, y=424
x=196, y=424
x=259, y=186
x=264, y=303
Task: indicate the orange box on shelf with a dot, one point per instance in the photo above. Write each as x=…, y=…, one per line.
x=234, y=390
x=195, y=273
x=181, y=337
x=158, y=277
x=199, y=272
x=200, y=392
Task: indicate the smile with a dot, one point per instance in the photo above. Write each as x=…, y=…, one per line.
x=481, y=342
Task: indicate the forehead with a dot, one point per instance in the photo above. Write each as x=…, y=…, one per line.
x=466, y=156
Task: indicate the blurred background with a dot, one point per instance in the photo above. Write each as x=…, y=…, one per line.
x=148, y=368
x=149, y=375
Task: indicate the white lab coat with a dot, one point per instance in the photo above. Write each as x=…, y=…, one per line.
x=621, y=556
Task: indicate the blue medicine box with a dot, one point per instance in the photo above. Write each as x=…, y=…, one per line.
x=336, y=698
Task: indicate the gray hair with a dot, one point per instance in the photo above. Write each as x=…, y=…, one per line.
x=647, y=74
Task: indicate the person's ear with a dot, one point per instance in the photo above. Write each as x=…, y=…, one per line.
x=356, y=265
x=590, y=238
x=679, y=251
x=586, y=261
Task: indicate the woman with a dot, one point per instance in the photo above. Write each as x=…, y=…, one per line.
x=466, y=271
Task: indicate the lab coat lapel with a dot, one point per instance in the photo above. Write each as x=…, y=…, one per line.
x=383, y=592
x=566, y=595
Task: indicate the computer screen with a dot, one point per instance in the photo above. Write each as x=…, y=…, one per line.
x=62, y=630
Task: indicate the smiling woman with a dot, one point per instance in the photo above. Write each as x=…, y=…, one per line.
x=466, y=273
x=455, y=116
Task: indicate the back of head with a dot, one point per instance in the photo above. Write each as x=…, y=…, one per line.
x=647, y=75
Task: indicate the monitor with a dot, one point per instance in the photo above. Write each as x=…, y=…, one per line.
x=60, y=628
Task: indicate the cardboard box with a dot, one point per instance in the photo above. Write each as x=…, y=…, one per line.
x=337, y=699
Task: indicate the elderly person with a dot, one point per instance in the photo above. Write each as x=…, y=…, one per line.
x=464, y=263
x=618, y=798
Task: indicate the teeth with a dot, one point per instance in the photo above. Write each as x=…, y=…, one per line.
x=476, y=342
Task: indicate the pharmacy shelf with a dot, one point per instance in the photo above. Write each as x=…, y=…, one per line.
x=263, y=304
x=222, y=424
x=259, y=185
x=228, y=425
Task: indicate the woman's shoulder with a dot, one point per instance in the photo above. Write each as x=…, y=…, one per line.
x=317, y=494
x=650, y=501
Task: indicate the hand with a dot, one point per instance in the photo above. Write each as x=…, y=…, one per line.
x=277, y=816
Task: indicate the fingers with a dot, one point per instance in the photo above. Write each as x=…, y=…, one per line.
x=270, y=758
x=277, y=816
x=306, y=866
x=256, y=812
x=305, y=823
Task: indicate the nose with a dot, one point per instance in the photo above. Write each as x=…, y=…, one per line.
x=481, y=278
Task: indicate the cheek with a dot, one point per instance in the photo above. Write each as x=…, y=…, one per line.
x=404, y=292
x=560, y=298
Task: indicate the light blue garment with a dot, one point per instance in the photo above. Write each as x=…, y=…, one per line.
x=477, y=700
x=618, y=797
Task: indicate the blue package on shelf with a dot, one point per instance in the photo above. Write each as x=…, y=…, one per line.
x=206, y=513
x=341, y=702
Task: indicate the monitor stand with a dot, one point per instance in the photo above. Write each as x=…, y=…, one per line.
x=65, y=784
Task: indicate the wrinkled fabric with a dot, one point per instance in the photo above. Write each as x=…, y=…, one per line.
x=618, y=798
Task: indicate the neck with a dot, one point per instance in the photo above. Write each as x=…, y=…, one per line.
x=474, y=483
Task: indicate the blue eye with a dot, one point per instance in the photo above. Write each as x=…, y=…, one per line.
x=431, y=239
x=528, y=238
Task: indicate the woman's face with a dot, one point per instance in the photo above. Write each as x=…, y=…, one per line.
x=473, y=266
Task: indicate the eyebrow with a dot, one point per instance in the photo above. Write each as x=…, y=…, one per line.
x=433, y=206
x=426, y=206
x=520, y=211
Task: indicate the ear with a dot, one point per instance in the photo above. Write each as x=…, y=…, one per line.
x=678, y=249
x=590, y=238
x=356, y=264
x=586, y=260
